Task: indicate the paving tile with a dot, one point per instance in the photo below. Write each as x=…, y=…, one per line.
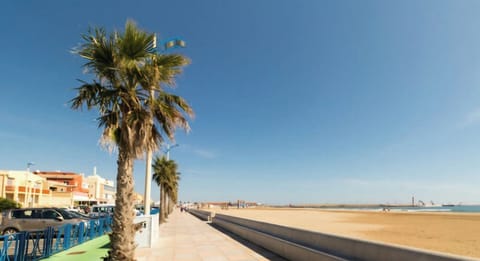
x=213, y=257
x=184, y=237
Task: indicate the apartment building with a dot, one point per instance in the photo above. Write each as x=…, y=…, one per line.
x=55, y=188
x=101, y=190
x=138, y=198
x=24, y=187
x=66, y=188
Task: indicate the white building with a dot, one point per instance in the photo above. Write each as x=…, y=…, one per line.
x=100, y=189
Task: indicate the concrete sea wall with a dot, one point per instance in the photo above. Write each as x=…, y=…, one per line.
x=299, y=244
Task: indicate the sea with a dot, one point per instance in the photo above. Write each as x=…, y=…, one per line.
x=454, y=208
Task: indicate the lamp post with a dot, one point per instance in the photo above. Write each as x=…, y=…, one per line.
x=171, y=43
x=148, y=184
x=168, y=148
x=27, y=175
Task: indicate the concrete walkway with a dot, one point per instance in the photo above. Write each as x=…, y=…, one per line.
x=185, y=237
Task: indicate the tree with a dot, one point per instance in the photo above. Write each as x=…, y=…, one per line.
x=171, y=189
x=166, y=176
x=172, y=192
x=127, y=70
x=6, y=204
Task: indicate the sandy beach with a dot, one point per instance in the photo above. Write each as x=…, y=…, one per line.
x=454, y=233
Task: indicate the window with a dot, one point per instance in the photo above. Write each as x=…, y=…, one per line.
x=50, y=214
x=21, y=213
x=28, y=213
x=36, y=213
x=109, y=188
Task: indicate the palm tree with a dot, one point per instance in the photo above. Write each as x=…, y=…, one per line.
x=166, y=176
x=160, y=172
x=122, y=64
x=172, y=192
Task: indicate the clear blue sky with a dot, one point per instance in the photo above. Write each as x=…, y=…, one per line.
x=296, y=101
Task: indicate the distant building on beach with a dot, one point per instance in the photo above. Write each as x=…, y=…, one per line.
x=226, y=205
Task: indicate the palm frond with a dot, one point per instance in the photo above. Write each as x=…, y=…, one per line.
x=169, y=66
x=88, y=94
x=136, y=44
x=128, y=69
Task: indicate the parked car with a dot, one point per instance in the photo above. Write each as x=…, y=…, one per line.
x=140, y=210
x=84, y=209
x=154, y=210
x=105, y=210
x=102, y=210
x=87, y=219
x=34, y=219
x=80, y=215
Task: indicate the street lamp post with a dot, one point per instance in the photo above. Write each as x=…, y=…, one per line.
x=165, y=45
x=168, y=148
x=27, y=175
x=148, y=184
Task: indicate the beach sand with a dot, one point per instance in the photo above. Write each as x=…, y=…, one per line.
x=454, y=233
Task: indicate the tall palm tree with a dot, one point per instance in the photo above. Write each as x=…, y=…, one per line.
x=166, y=176
x=132, y=120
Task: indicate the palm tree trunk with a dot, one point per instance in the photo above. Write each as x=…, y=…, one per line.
x=167, y=206
x=162, y=205
x=123, y=230
x=165, y=203
x=170, y=205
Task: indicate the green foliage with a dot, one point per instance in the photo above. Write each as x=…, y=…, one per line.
x=6, y=203
x=136, y=113
x=166, y=176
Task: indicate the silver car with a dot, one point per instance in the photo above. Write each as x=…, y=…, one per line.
x=34, y=219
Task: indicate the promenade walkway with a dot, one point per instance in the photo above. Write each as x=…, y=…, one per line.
x=185, y=237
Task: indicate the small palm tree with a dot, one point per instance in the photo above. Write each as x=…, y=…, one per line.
x=127, y=70
x=166, y=176
x=172, y=192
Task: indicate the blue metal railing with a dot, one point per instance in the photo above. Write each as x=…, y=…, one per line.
x=36, y=245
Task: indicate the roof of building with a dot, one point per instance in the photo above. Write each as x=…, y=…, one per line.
x=57, y=174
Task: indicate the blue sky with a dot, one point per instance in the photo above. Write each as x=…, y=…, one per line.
x=296, y=101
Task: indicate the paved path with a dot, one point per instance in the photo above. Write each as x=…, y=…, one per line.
x=185, y=237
